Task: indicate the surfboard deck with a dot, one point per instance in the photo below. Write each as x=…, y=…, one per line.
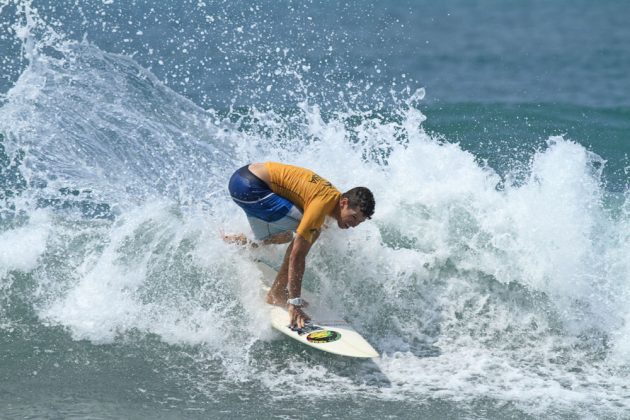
x=327, y=331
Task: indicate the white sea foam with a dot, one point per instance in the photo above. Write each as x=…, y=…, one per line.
x=21, y=248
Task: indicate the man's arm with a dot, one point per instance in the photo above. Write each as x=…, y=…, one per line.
x=288, y=282
x=297, y=262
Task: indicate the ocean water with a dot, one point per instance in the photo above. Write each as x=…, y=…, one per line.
x=494, y=278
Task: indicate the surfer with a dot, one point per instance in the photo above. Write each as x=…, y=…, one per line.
x=280, y=199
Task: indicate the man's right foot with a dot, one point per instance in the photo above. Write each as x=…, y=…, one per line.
x=239, y=239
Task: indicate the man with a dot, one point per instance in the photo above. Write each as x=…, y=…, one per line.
x=280, y=199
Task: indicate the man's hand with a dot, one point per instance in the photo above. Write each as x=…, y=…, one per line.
x=297, y=317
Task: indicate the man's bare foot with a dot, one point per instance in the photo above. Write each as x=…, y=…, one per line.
x=238, y=239
x=276, y=300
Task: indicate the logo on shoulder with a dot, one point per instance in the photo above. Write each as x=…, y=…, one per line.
x=317, y=179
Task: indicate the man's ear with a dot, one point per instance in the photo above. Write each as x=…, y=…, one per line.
x=343, y=202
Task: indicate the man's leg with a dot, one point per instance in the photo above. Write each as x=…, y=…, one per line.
x=278, y=293
x=241, y=239
x=278, y=232
x=279, y=238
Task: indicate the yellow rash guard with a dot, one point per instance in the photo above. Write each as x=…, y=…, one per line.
x=314, y=195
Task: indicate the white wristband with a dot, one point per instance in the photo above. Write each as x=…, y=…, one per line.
x=298, y=301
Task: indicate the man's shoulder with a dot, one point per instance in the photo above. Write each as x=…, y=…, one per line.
x=325, y=202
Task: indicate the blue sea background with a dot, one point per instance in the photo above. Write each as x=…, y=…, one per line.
x=494, y=278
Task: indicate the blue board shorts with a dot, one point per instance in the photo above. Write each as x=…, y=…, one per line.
x=267, y=212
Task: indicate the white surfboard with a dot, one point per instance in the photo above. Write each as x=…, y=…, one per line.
x=327, y=331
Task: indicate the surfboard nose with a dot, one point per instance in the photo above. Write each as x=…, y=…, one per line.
x=327, y=331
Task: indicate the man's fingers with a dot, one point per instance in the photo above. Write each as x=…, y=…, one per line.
x=303, y=319
x=298, y=318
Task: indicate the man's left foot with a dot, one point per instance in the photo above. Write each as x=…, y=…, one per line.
x=276, y=300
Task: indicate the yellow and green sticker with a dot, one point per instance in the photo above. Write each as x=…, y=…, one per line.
x=324, y=336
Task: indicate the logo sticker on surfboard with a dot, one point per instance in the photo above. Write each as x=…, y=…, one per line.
x=324, y=336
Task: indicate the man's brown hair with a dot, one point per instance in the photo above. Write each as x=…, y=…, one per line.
x=361, y=198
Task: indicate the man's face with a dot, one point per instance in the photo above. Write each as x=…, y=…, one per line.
x=349, y=217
